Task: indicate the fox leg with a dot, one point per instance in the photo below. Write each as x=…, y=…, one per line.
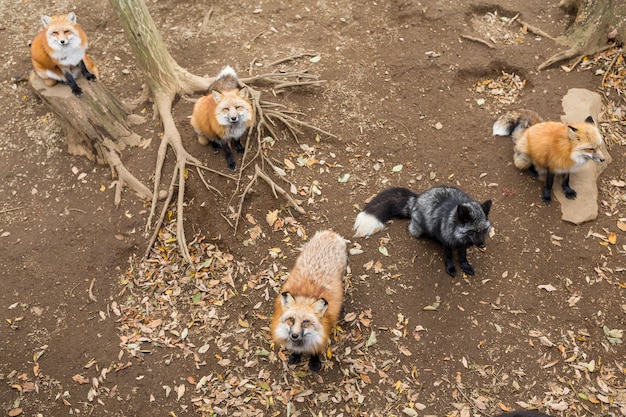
x=532, y=170
x=83, y=69
x=230, y=159
x=449, y=261
x=315, y=364
x=76, y=90
x=294, y=358
x=215, y=147
x=465, y=265
x=546, y=196
x=569, y=191
x=238, y=146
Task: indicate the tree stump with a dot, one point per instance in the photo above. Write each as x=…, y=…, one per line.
x=96, y=126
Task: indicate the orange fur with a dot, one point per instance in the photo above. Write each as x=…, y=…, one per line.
x=550, y=147
x=223, y=115
x=311, y=298
x=58, y=50
x=556, y=147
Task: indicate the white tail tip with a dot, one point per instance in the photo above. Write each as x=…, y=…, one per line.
x=227, y=70
x=500, y=129
x=366, y=225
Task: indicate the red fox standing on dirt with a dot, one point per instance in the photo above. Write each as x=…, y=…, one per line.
x=550, y=147
x=311, y=300
x=58, y=52
x=223, y=115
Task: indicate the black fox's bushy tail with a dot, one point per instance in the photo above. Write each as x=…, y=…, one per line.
x=514, y=122
x=391, y=203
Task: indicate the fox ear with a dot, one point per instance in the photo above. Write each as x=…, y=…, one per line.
x=486, y=207
x=286, y=299
x=463, y=213
x=589, y=119
x=217, y=96
x=71, y=17
x=572, y=133
x=45, y=20
x=243, y=93
x=320, y=306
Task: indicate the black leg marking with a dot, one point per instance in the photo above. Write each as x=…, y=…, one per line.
x=546, y=196
x=294, y=358
x=238, y=146
x=230, y=159
x=449, y=261
x=569, y=191
x=532, y=170
x=76, y=90
x=215, y=147
x=315, y=364
x=83, y=68
x=465, y=265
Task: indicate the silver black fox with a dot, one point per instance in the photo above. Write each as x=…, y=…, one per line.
x=444, y=213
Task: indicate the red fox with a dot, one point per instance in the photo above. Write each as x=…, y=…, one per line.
x=223, y=115
x=550, y=147
x=58, y=52
x=311, y=300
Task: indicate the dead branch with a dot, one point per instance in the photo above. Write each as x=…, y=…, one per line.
x=472, y=38
x=258, y=173
x=534, y=29
x=292, y=58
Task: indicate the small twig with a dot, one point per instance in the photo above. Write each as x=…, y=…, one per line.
x=469, y=400
x=484, y=42
x=513, y=19
x=10, y=210
x=75, y=209
x=606, y=73
x=281, y=191
x=258, y=173
x=534, y=29
x=258, y=35
x=205, y=22
x=206, y=184
x=91, y=296
x=408, y=132
x=292, y=58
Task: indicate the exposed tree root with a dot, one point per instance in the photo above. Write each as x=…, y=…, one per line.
x=165, y=79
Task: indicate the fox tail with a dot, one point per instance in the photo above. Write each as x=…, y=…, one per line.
x=514, y=122
x=227, y=71
x=392, y=203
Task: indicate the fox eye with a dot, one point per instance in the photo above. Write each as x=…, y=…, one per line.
x=55, y=33
x=306, y=323
x=225, y=110
x=67, y=32
x=239, y=107
x=290, y=321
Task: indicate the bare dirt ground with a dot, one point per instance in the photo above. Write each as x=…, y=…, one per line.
x=87, y=329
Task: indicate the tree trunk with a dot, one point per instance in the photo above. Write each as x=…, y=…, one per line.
x=95, y=126
x=598, y=25
x=165, y=79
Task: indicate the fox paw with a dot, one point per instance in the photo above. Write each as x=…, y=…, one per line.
x=314, y=363
x=569, y=193
x=91, y=77
x=451, y=270
x=294, y=358
x=467, y=268
x=77, y=91
x=215, y=147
